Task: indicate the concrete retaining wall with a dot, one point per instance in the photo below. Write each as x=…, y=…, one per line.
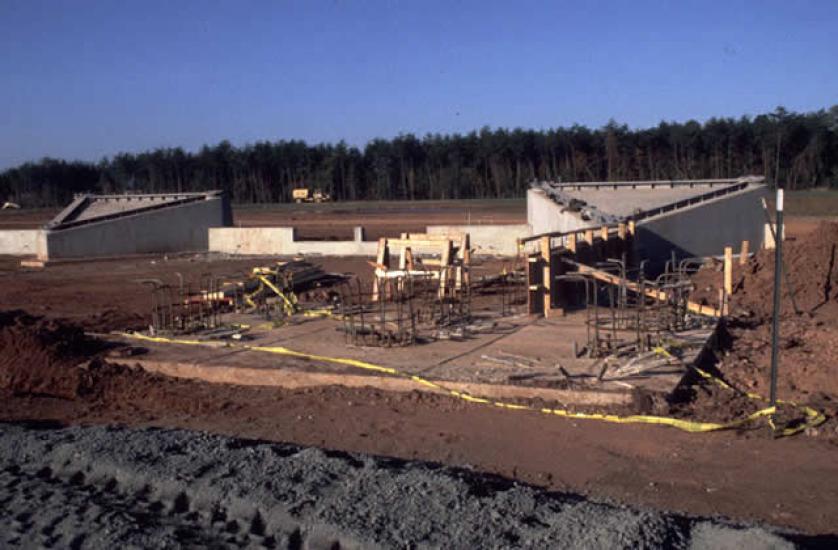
x=704, y=229
x=180, y=228
x=267, y=241
x=488, y=240
x=22, y=242
x=280, y=241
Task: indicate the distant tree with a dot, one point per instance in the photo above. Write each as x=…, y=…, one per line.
x=799, y=150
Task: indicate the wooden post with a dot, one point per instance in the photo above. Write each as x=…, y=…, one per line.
x=546, y=278
x=382, y=258
x=534, y=287
x=743, y=254
x=621, y=239
x=571, y=243
x=464, y=258
x=728, y=286
x=588, y=256
x=603, y=247
x=445, y=266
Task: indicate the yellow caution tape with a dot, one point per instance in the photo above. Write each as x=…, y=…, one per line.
x=813, y=417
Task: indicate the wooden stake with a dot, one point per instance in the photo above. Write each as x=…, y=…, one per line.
x=743, y=255
x=728, y=274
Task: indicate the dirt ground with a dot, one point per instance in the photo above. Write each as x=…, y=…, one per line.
x=730, y=474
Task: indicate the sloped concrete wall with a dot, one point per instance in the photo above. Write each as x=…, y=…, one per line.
x=545, y=216
x=21, y=242
x=488, y=240
x=704, y=229
x=182, y=228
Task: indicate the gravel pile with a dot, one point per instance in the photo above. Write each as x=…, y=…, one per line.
x=99, y=487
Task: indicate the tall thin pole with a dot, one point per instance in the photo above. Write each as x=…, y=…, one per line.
x=778, y=266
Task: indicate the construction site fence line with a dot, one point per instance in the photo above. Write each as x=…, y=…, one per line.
x=813, y=417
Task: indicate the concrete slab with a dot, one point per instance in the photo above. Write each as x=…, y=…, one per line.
x=515, y=358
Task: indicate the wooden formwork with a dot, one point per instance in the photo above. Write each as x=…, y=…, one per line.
x=585, y=247
x=545, y=295
x=440, y=257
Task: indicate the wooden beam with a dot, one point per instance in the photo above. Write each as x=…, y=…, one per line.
x=609, y=278
x=743, y=254
x=545, y=258
x=417, y=243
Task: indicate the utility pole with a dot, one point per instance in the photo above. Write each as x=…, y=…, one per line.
x=778, y=266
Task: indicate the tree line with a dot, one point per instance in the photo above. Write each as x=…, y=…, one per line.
x=800, y=150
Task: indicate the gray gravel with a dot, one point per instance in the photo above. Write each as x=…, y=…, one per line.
x=109, y=487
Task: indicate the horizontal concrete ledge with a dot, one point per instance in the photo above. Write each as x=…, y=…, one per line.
x=294, y=379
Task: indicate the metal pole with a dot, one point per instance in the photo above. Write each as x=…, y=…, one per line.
x=778, y=268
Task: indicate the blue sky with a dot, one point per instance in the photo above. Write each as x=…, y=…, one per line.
x=83, y=79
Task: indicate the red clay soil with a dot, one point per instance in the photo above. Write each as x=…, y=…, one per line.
x=50, y=371
x=106, y=295
x=808, y=339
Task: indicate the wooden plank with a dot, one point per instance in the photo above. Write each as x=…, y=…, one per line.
x=743, y=254
x=634, y=287
x=417, y=243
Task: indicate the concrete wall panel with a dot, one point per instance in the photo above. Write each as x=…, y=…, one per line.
x=704, y=229
x=251, y=240
x=489, y=240
x=177, y=229
x=279, y=241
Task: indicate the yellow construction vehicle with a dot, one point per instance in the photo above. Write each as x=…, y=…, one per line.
x=304, y=194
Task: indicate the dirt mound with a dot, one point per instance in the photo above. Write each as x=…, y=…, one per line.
x=48, y=357
x=812, y=267
x=811, y=263
x=40, y=355
x=808, y=340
